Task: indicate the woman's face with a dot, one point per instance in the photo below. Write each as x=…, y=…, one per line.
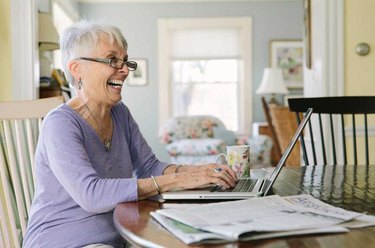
x=101, y=82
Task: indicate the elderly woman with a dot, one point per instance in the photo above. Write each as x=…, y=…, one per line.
x=91, y=154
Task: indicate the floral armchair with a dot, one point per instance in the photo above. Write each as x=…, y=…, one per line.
x=199, y=139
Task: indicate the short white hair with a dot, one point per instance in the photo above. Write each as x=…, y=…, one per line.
x=81, y=38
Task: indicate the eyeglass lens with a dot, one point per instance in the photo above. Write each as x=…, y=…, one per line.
x=132, y=65
x=118, y=63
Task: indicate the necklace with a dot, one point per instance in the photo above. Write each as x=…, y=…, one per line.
x=107, y=140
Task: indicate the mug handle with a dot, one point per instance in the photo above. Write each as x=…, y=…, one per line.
x=221, y=154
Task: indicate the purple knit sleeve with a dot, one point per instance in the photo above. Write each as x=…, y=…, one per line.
x=144, y=160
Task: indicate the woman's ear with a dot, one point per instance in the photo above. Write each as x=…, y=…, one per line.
x=75, y=68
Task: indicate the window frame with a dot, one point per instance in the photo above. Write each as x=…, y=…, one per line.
x=165, y=28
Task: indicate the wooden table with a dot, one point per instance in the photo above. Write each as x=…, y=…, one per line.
x=350, y=187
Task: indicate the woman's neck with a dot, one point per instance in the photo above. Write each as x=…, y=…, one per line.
x=99, y=118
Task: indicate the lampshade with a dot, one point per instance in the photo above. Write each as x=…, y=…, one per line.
x=272, y=82
x=48, y=36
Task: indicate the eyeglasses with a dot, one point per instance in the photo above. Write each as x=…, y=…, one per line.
x=115, y=63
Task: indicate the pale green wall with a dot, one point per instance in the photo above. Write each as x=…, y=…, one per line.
x=5, y=51
x=359, y=27
x=5, y=65
x=359, y=70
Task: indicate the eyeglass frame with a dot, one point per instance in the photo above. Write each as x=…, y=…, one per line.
x=132, y=65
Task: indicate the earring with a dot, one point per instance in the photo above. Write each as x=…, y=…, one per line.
x=79, y=83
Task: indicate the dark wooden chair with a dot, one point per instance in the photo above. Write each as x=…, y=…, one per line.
x=338, y=130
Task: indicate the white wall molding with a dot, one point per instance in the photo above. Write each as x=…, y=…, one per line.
x=25, y=59
x=335, y=60
x=326, y=77
x=164, y=85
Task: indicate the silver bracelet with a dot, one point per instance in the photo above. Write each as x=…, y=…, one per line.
x=178, y=168
x=156, y=184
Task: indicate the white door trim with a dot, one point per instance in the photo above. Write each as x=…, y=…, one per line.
x=335, y=60
x=25, y=59
x=326, y=77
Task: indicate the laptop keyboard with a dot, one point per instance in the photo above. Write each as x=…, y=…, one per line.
x=243, y=185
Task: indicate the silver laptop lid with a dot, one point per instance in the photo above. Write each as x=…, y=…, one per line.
x=269, y=182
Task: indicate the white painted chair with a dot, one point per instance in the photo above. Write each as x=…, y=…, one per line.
x=20, y=122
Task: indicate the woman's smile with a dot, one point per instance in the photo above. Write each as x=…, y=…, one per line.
x=116, y=84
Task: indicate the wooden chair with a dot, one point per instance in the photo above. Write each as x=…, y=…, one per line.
x=276, y=144
x=338, y=130
x=282, y=126
x=20, y=122
x=285, y=127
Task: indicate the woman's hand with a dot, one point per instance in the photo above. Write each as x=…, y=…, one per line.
x=189, y=177
x=198, y=176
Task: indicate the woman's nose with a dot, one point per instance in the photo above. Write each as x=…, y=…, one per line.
x=124, y=70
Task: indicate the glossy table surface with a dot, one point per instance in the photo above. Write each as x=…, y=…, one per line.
x=350, y=187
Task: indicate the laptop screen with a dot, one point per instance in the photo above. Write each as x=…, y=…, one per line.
x=268, y=184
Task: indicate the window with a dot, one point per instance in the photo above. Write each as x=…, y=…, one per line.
x=206, y=87
x=205, y=69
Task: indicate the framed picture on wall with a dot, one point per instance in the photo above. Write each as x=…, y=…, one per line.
x=139, y=76
x=288, y=55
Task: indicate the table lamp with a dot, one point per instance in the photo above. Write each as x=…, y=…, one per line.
x=48, y=41
x=272, y=83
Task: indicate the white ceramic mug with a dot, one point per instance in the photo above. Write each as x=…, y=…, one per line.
x=238, y=158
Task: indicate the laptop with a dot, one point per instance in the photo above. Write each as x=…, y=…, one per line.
x=254, y=187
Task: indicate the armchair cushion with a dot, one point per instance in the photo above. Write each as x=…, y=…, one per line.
x=189, y=127
x=196, y=147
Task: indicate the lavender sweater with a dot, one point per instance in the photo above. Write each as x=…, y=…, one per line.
x=78, y=183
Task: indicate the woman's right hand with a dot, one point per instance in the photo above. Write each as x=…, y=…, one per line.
x=207, y=174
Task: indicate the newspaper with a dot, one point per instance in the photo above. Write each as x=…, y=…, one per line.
x=258, y=218
x=188, y=234
x=308, y=201
x=193, y=236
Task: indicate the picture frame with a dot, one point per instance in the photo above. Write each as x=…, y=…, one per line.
x=288, y=55
x=139, y=76
x=307, y=31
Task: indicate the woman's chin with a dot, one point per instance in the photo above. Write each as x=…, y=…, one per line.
x=114, y=94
